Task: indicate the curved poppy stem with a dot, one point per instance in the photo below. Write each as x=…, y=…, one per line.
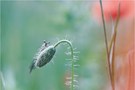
x=72, y=56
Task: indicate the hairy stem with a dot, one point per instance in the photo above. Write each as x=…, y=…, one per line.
x=72, y=67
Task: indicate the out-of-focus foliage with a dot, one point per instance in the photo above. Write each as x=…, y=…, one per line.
x=24, y=26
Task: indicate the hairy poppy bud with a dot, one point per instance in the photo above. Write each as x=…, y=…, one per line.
x=44, y=56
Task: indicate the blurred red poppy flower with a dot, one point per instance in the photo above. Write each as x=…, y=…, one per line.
x=124, y=65
x=110, y=8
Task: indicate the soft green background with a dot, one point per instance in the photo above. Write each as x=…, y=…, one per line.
x=24, y=26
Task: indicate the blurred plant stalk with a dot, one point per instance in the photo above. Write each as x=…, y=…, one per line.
x=121, y=49
x=111, y=49
x=106, y=43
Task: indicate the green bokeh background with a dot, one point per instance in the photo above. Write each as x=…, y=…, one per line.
x=24, y=26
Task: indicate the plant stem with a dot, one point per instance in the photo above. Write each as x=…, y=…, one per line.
x=106, y=42
x=72, y=56
x=113, y=47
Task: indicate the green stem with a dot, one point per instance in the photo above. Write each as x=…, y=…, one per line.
x=71, y=47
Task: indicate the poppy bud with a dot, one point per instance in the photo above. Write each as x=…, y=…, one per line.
x=43, y=57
